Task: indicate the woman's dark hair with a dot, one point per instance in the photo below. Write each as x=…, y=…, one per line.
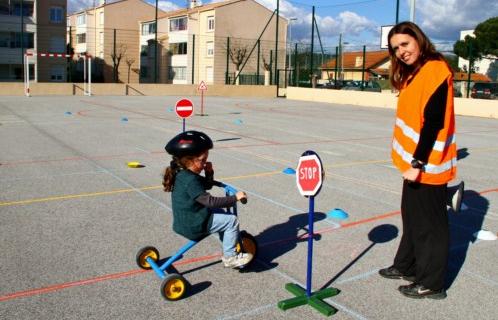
x=175, y=165
x=399, y=71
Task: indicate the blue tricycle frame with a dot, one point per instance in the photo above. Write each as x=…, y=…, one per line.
x=174, y=286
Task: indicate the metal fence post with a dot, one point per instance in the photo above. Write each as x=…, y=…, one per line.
x=312, y=44
x=257, y=63
x=115, y=71
x=295, y=65
x=336, y=63
x=228, y=57
x=193, y=57
x=470, y=69
x=363, y=69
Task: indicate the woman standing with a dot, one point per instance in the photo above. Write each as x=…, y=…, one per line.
x=424, y=150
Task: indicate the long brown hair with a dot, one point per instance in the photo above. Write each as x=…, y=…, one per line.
x=399, y=71
x=175, y=166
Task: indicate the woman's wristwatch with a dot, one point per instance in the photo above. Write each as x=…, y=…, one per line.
x=417, y=164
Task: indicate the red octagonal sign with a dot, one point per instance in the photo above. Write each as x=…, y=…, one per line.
x=309, y=175
x=184, y=108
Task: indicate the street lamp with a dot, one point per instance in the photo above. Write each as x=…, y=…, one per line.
x=290, y=40
x=341, y=52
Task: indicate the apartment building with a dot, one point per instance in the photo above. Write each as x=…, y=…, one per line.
x=32, y=26
x=194, y=43
x=109, y=33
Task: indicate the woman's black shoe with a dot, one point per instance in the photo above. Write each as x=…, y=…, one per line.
x=418, y=291
x=393, y=273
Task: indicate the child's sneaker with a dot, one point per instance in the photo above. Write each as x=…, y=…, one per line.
x=237, y=261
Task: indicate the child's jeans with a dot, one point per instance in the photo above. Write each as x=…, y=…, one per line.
x=227, y=225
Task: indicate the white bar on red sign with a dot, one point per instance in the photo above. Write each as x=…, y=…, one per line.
x=184, y=108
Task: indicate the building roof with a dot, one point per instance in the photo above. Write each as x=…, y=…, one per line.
x=354, y=60
x=474, y=77
x=106, y=4
x=200, y=8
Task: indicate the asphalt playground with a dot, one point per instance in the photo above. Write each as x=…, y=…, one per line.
x=73, y=215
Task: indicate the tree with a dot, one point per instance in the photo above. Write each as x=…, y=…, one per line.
x=129, y=62
x=487, y=36
x=493, y=71
x=237, y=55
x=116, y=59
x=483, y=44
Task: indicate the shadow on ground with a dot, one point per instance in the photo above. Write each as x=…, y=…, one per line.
x=379, y=234
x=463, y=226
x=281, y=238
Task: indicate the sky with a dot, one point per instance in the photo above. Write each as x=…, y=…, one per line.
x=360, y=21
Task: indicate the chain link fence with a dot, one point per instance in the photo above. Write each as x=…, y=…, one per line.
x=133, y=56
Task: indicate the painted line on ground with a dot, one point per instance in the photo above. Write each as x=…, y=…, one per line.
x=57, y=287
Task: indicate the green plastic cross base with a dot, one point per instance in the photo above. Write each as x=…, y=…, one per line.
x=315, y=300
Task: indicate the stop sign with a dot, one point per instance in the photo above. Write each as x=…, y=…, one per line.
x=309, y=174
x=184, y=108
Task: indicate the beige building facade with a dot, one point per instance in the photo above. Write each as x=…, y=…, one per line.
x=109, y=34
x=32, y=26
x=194, y=44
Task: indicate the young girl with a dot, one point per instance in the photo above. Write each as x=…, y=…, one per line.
x=196, y=213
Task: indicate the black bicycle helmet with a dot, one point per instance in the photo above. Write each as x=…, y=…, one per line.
x=189, y=143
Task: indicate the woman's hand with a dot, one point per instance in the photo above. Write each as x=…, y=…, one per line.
x=411, y=174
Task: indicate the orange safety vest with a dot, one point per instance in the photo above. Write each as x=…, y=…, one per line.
x=413, y=98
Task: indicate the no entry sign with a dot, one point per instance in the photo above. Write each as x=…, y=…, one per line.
x=184, y=108
x=309, y=174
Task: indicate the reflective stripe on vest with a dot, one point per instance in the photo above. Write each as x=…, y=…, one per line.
x=429, y=167
x=414, y=136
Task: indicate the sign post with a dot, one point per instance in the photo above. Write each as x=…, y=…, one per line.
x=202, y=87
x=309, y=178
x=184, y=109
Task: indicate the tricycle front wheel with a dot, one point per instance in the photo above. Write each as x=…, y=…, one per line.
x=143, y=254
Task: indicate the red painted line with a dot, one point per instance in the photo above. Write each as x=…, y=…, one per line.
x=57, y=287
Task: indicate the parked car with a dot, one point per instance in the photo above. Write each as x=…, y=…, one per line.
x=372, y=86
x=484, y=90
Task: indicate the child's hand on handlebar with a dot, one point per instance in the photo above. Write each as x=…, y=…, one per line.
x=241, y=196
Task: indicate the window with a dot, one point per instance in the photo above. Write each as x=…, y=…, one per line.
x=56, y=14
x=178, y=24
x=178, y=73
x=28, y=41
x=101, y=16
x=4, y=39
x=81, y=38
x=57, y=44
x=68, y=22
x=148, y=28
x=144, y=50
x=27, y=9
x=81, y=20
x=209, y=48
x=57, y=73
x=209, y=74
x=210, y=23
x=143, y=72
x=178, y=48
x=101, y=38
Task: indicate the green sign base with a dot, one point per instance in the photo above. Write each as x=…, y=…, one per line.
x=315, y=300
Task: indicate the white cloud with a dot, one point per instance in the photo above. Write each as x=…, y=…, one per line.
x=444, y=19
